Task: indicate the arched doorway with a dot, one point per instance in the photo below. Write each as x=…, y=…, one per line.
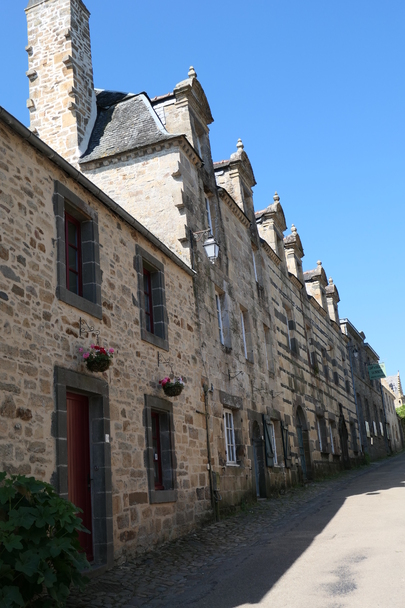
x=303, y=444
x=258, y=454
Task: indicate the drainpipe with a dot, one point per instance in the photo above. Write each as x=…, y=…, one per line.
x=359, y=413
x=214, y=503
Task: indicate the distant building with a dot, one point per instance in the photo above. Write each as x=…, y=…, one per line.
x=370, y=405
x=394, y=428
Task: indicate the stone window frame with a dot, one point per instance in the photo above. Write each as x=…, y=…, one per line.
x=322, y=432
x=159, y=337
x=230, y=446
x=66, y=201
x=156, y=404
x=96, y=390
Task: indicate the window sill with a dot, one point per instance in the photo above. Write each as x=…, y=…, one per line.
x=155, y=340
x=232, y=464
x=161, y=496
x=91, y=308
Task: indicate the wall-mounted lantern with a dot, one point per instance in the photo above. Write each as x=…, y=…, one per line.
x=210, y=245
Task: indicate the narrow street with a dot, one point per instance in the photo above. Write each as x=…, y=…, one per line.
x=333, y=544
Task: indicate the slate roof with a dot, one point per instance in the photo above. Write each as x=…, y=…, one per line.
x=124, y=122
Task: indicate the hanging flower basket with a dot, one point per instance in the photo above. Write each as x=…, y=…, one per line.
x=98, y=358
x=98, y=366
x=172, y=389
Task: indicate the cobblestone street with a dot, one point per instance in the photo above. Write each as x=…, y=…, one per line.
x=159, y=577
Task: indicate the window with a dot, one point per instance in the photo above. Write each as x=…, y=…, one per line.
x=219, y=317
x=332, y=445
x=73, y=255
x=291, y=340
x=148, y=303
x=152, y=299
x=321, y=426
x=269, y=441
x=242, y=323
x=319, y=435
x=160, y=453
x=208, y=209
x=268, y=349
x=273, y=442
x=229, y=438
x=78, y=257
x=247, y=345
x=367, y=427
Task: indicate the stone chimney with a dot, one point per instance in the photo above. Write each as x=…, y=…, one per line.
x=62, y=102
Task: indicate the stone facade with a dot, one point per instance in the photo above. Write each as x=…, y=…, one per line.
x=371, y=408
x=394, y=427
x=40, y=358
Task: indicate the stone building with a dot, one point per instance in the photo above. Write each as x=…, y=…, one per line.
x=393, y=383
x=129, y=438
x=371, y=409
x=394, y=428
x=269, y=397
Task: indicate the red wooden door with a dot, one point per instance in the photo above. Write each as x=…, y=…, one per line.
x=78, y=448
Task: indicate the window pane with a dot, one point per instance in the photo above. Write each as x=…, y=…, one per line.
x=147, y=304
x=72, y=234
x=73, y=282
x=73, y=261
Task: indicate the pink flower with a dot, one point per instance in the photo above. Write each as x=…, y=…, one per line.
x=111, y=350
x=86, y=355
x=164, y=381
x=92, y=346
x=80, y=350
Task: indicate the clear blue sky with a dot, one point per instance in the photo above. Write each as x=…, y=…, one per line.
x=316, y=91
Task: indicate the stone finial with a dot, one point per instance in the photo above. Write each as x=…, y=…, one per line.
x=276, y=197
x=319, y=263
x=294, y=230
x=240, y=145
x=192, y=73
x=330, y=281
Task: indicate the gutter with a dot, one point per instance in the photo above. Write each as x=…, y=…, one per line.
x=81, y=179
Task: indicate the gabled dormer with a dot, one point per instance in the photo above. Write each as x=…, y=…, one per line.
x=315, y=283
x=332, y=298
x=236, y=177
x=294, y=253
x=271, y=225
x=186, y=110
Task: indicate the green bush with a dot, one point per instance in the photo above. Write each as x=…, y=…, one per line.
x=401, y=411
x=40, y=554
